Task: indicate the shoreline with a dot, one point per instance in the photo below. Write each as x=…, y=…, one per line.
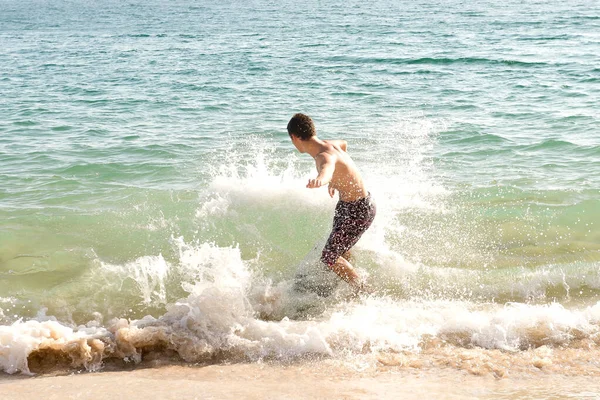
x=307, y=380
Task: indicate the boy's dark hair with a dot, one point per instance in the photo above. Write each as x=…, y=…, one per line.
x=302, y=126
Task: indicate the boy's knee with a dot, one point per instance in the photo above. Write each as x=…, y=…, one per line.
x=328, y=257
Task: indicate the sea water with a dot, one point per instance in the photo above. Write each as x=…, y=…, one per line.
x=150, y=198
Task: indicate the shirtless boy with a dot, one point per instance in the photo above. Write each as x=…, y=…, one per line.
x=355, y=209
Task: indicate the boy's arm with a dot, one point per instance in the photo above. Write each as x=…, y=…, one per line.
x=325, y=167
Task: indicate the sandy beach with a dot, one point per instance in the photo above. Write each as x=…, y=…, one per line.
x=322, y=379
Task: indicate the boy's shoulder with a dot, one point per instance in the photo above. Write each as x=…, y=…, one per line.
x=339, y=143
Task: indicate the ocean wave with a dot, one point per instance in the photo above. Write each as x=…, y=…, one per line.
x=459, y=138
x=546, y=38
x=436, y=61
x=551, y=144
x=217, y=325
x=233, y=312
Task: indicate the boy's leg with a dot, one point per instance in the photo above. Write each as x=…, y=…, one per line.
x=349, y=223
x=348, y=256
x=345, y=271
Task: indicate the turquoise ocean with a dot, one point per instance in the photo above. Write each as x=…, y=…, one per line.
x=151, y=201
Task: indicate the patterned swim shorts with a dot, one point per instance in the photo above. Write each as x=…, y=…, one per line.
x=351, y=220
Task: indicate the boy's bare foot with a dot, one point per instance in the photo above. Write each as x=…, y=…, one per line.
x=363, y=288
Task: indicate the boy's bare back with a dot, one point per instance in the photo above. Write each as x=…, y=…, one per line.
x=345, y=179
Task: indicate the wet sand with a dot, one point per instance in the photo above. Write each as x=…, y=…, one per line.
x=321, y=379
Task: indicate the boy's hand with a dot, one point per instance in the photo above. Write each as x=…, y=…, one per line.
x=314, y=183
x=331, y=190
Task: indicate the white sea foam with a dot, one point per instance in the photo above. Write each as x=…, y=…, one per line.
x=149, y=274
x=265, y=188
x=85, y=346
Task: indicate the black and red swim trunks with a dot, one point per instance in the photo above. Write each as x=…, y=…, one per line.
x=350, y=221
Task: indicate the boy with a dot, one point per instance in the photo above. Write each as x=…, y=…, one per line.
x=355, y=209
